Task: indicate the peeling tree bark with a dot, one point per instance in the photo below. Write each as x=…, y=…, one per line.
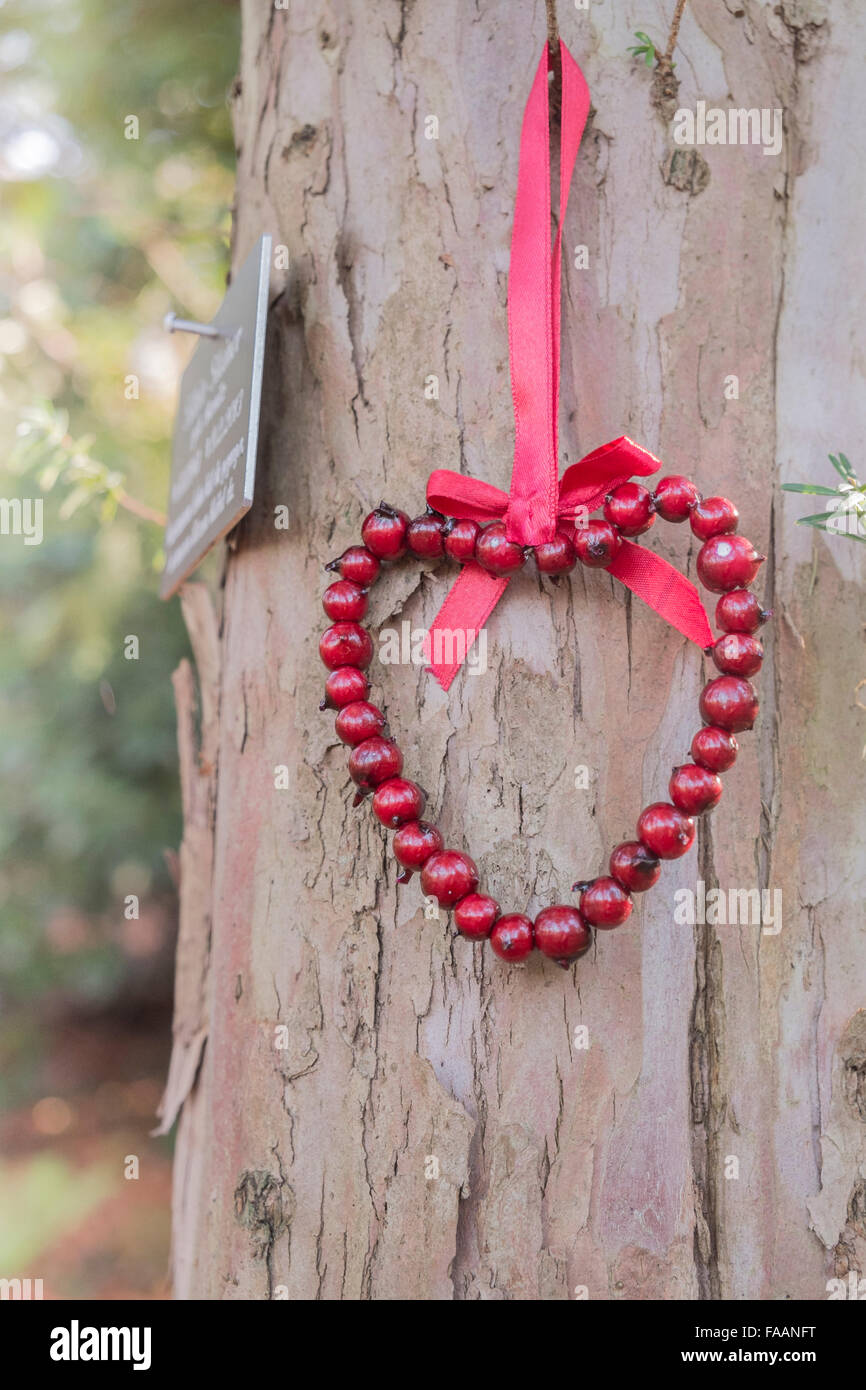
x=430, y=1129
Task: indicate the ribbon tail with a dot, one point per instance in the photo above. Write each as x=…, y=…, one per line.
x=662, y=586
x=472, y=599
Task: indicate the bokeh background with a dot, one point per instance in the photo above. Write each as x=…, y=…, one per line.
x=101, y=235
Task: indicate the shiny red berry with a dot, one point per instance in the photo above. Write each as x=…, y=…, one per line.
x=674, y=497
x=632, y=865
x=374, y=761
x=344, y=601
x=496, y=553
x=740, y=611
x=694, y=789
x=557, y=556
x=666, y=832
x=475, y=915
x=345, y=644
x=344, y=686
x=358, y=721
x=358, y=565
x=715, y=749
x=730, y=702
x=630, y=508
x=413, y=845
x=738, y=654
x=384, y=532
x=727, y=562
x=397, y=801
x=448, y=876
x=596, y=543
x=424, y=535
x=605, y=903
x=562, y=934
x=512, y=937
x=460, y=537
x=713, y=516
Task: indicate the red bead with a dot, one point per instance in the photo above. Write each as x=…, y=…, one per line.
x=448, y=876
x=460, y=537
x=358, y=565
x=557, y=556
x=344, y=686
x=374, y=761
x=398, y=800
x=630, y=508
x=345, y=644
x=496, y=553
x=384, y=532
x=344, y=601
x=605, y=903
x=512, y=937
x=694, y=789
x=562, y=934
x=674, y=497
x=727, y=562
x=634, y=867
x=475, y=915
x=413, y=845
x=596, y=543
x=424, y=535
x=740, y=611
x=714, y=516
x=358, y=721
x=714, y=748
x=730, y=702
x=665, y=831
x=738, y=654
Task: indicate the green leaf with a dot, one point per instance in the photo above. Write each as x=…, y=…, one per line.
x=811, y=488
x=842, y=468
x=817, y=519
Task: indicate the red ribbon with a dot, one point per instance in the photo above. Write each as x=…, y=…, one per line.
x=538, y=498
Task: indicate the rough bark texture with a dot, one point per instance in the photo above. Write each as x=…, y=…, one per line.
x=305, y=1159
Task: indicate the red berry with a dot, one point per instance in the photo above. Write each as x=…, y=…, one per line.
x=345, y=644
x=557, y=556
x=413, y=844
x=665, y=831
x=475, y=915
x=740, y=611
x=384, y=532
x=634, y=867
x=398, y=800
x=727, y=562
x=730, y=702
x=344, y=601
x=562, y=934
x=738, y=654
x=358, y=565
x=424, y=535
x=374, y=761
x=496, y=553
x=605, y=903
x=448, y=876
x=358, y=721
x=714, y=516
x=596, y=543
x=674, y=497
x=344, y=686
x=715, y=749
x=460, y=537
x=512, y=937
x=630, y=508
x=694, y=789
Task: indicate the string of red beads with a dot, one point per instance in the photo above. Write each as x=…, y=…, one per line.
x=726, y=564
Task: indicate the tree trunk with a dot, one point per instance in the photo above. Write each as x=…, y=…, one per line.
x=428, y=1124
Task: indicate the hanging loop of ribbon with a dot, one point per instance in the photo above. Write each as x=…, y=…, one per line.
x=538, y=501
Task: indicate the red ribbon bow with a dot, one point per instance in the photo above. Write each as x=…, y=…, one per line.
x=538, y=498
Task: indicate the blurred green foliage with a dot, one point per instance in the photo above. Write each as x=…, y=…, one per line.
x=100, y=236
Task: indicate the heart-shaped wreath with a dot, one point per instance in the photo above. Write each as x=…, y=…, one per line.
x=491, y=534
